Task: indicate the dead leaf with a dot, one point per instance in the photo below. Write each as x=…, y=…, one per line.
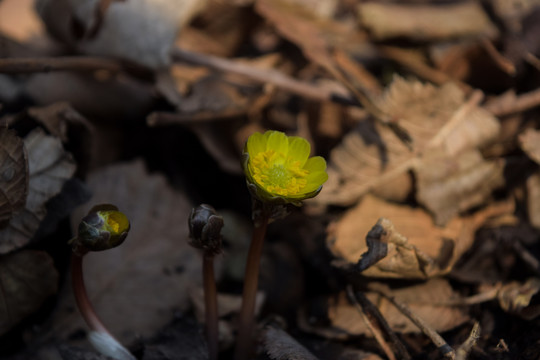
x=437, y=119
x=346, y=237
x=530, y=143
x=516, y=298
x=49, y=167
x=18, y=20
x=13, y=175
x=161, y=20
x=533, y=199
x=137, y=287
x=281, y=346
x=419, y=298
x=27, y=279
x=450, y=185
x=425, y=22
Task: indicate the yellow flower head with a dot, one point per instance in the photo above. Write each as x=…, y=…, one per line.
x=280, y=168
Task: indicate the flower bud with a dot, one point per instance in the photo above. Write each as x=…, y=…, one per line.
x=103, y=228
x=205, y=229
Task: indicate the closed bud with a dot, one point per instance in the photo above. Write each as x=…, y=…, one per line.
x=103, y=228
x=205, y=229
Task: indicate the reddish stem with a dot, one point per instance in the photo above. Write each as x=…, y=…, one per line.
x=246, y=320
x=211, y=306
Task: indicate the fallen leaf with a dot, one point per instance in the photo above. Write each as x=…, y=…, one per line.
x=450, y=185
x=516, y=298
x=27, y=279
x=13, y=175
x=346, y=237
x=371, y=156
x=530, y=143
x=161, y=20
x=281, y=346
x=49, y=167
x=422, y=299
x=137, y=287
x=425, y=22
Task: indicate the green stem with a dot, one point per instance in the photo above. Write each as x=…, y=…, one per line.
x=246, y=320
x=211, y=306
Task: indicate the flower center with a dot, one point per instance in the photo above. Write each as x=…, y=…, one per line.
x=115, y=221
x=278, y=174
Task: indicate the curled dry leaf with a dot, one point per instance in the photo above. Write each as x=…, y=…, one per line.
x=438, y=119
x=516, y=298
x=425, y=22
x=281, y=346
x=13, y=175
x=418, y=251
x=423, y=299
x=135, y=288
x=49, y=167
x=27, y=279
x=530, y=143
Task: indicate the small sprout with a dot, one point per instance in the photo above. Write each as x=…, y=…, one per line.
x=205, y=229
x=103, y=228
x=205, y=233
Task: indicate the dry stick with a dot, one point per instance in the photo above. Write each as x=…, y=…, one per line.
x=211, y=305
x=71, y=63
x=521, y=103
x=526, y=256
x=373, y=312
x=251, y=279
x=274, y=77
x=443, y=346
x=377, y=334
x=464, y=349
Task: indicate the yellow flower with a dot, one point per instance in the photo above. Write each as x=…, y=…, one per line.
x=279, y=168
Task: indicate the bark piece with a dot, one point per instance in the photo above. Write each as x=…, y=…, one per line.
x=281, y=346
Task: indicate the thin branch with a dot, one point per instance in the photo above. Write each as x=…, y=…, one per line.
x=502, y=106
x=464, y=349
x=441, y=344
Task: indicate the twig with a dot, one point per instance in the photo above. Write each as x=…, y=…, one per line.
x=441, y=344
x=526, y=256
x=372, y=326
x=71, y=63
x=464, y=349
x=503, y=63
x=274, y=77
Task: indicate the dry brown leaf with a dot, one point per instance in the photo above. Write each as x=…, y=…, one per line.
x=425, y=22
x=437, y=119
x=421, y=299
x=49, y=167
x=27, y=279
x=516, y=297
x=530, y=143
x=533, y=199
x=13, y=175
x=137, y=287
x=346, y=237
x=448, y=185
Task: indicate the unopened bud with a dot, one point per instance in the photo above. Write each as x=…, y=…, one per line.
x=205, y=229
x=103, y=228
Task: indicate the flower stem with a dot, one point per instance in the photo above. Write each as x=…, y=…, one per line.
x=246, y=321
x=81, y=297
x=211, y=306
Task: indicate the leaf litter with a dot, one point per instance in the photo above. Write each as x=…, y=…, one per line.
x=429, y=128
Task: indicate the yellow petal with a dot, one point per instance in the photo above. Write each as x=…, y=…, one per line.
x=256, y=143
x=315, y=180
x=277, y=141
x=315, y=164
x=299, y=149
